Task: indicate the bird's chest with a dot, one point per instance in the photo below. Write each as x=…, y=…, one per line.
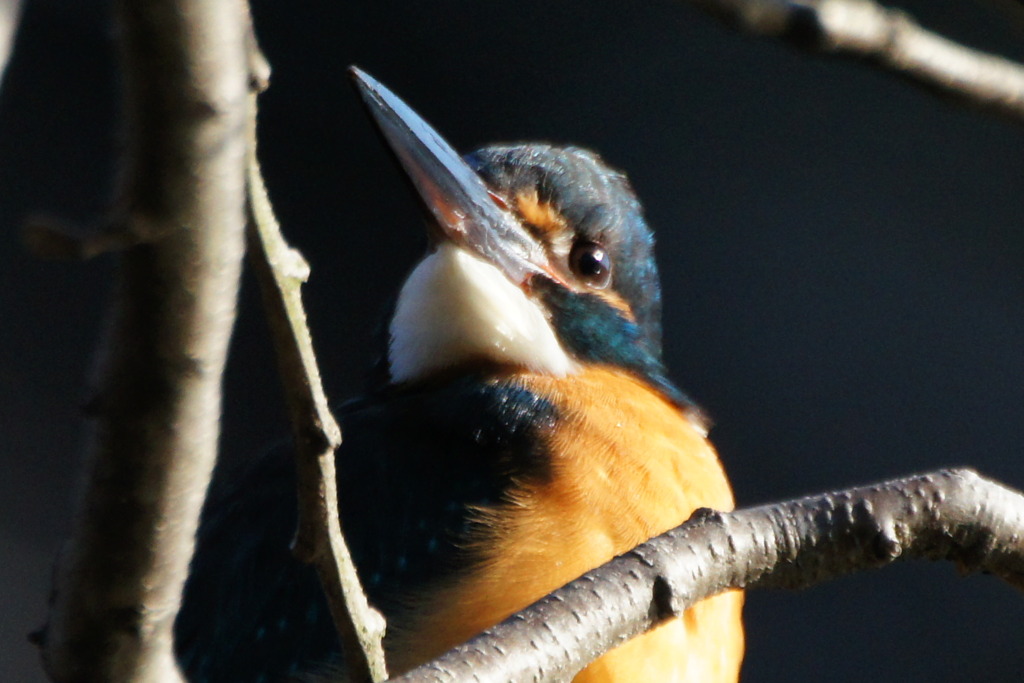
x=623, y=465
x=614, y=465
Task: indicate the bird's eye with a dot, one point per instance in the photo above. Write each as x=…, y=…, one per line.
x=591, y=264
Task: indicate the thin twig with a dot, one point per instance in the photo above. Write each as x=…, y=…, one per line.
x=156, y=406
x=949, y=515
x=281, y=271
x=863, y=30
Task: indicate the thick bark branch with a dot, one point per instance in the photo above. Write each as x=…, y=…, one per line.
x=949, y=515
x=156, y=403
x=281, y=271
x=864, y=30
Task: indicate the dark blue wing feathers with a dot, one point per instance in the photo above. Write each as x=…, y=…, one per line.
x=412, y=465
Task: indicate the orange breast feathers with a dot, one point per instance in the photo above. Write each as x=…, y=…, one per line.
x=626, y=465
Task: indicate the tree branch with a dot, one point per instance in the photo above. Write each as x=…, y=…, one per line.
x=890, y=39
x=10, y=11
x=948, y=515
x=156, y=404
x=281, y=271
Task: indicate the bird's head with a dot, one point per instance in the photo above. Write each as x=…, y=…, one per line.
x=539, y=259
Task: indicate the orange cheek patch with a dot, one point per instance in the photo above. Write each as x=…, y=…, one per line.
x=613, y=299
x=542, y=218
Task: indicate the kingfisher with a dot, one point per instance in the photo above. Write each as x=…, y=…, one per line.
x=518, y=430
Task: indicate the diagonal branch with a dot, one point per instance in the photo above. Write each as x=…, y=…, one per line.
x=156, y=406
x=891, y=39
x=948, y=515
x=281, y=271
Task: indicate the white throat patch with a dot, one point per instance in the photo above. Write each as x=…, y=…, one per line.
x=456, y=307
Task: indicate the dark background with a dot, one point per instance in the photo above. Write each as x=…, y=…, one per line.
x=842, y=256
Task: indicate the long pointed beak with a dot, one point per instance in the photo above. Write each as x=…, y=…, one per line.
x=466, y=212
